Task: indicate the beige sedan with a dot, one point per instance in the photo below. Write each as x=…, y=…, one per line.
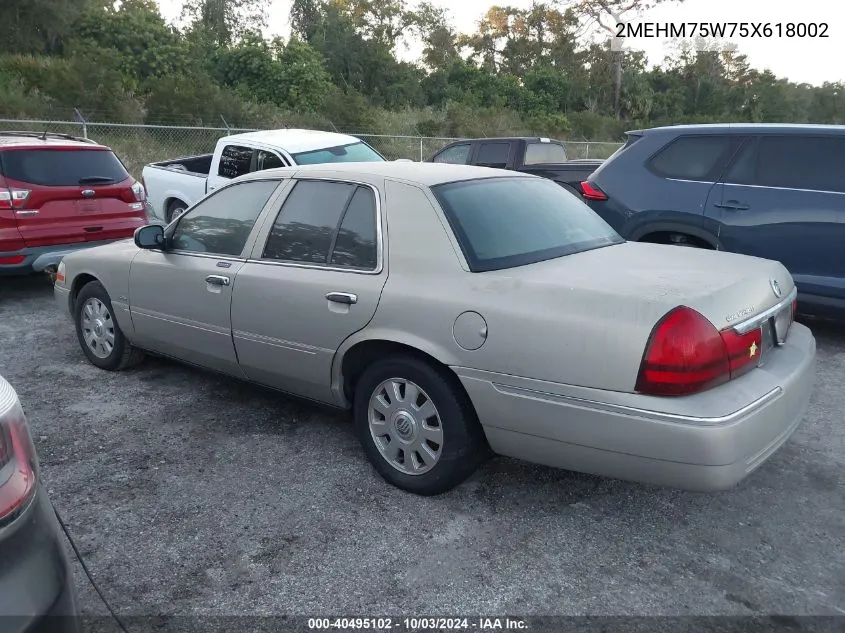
x=456, y=310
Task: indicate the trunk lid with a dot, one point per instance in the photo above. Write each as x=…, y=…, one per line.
x=602, y=305
x=724, y=287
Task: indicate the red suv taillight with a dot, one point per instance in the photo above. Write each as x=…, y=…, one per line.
x=18, y=463
x=592, y=192
x=13, y=198
x=686, y=354
x=139, y=191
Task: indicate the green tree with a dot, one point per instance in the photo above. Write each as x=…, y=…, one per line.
x=222, y=22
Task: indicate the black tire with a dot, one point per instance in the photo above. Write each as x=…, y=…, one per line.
x=174, y=209
x=464, y=445
x=123, y=354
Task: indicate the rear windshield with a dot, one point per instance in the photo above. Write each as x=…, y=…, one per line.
x=62, y=168
x=544, y=154
x=506, y=222
x=352, y=153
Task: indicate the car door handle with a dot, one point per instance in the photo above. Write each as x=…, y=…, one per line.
x=342, y=297
x=733, y=205
x=217, y=280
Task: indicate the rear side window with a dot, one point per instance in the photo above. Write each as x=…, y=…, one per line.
x=493, y=154
x=691, y=157
x=235, y=161
x=544, y=154
x=324, y=222
x=457, y=155
x=63, y=168
x=802, y=162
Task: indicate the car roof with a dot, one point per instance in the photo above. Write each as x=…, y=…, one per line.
x=745, y=128
x=527, y=139
x=295, y=141
x=426, y=174
x=33, y=140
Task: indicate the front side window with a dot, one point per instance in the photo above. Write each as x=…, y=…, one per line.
x=235, y=161
x=691, y=157
x=456, y=155
x=328, y=223
x=221, y=223
x=506, y=222
x=352, y=153
x=267, y=160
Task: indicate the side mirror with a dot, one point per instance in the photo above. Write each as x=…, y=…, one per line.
x=150, y=236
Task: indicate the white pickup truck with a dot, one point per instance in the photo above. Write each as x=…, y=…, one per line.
x=174, y=185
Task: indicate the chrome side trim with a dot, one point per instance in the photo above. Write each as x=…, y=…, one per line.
x=205, y=327
x=656, y=416
x=758, y=320
x=276, y=342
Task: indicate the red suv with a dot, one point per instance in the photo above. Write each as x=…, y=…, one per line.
x=58, y=194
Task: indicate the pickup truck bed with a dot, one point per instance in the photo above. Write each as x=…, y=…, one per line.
x=191, y=165
x=530, y=155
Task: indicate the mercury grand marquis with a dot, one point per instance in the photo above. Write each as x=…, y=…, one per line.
x=459, y=311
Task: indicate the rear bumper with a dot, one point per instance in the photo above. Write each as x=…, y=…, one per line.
x=729, y=432
x=36, y=583
x=39, y=258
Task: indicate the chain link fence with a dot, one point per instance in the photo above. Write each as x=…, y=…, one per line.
x=137, y=145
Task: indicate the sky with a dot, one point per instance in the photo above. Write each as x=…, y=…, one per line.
x=812, y=60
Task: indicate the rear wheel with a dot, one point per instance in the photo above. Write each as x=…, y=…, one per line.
x=175, y=209
x=417, y=427
x=99, y=334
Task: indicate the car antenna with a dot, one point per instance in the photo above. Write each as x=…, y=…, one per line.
x=44, y=136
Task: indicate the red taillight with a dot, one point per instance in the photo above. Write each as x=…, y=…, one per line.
x=13, y=198
x=12, y=260
x=591, y=192
x=18, y=464
x=743, y=350
x=686, y=354
x=139, y=191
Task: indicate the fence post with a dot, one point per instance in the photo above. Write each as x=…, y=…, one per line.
x=82, y=121
x=587, y=150
x=421, y=150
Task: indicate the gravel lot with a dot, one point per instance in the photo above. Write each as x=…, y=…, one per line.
x=193, y=494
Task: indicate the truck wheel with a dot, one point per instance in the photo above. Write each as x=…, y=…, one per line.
x=175, y=209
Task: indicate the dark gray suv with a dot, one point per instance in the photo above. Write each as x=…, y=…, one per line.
x=774, y=191
x=36, y=590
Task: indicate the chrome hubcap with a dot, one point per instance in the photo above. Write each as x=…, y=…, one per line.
x=97, y=327
x=405, y=426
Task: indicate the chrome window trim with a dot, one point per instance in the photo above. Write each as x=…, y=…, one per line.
x=293, y=264
x=757, y=321
x=739, y=184
x=703, y=181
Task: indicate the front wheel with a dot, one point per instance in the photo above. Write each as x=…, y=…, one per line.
x=99, y=334
x=417, y=427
